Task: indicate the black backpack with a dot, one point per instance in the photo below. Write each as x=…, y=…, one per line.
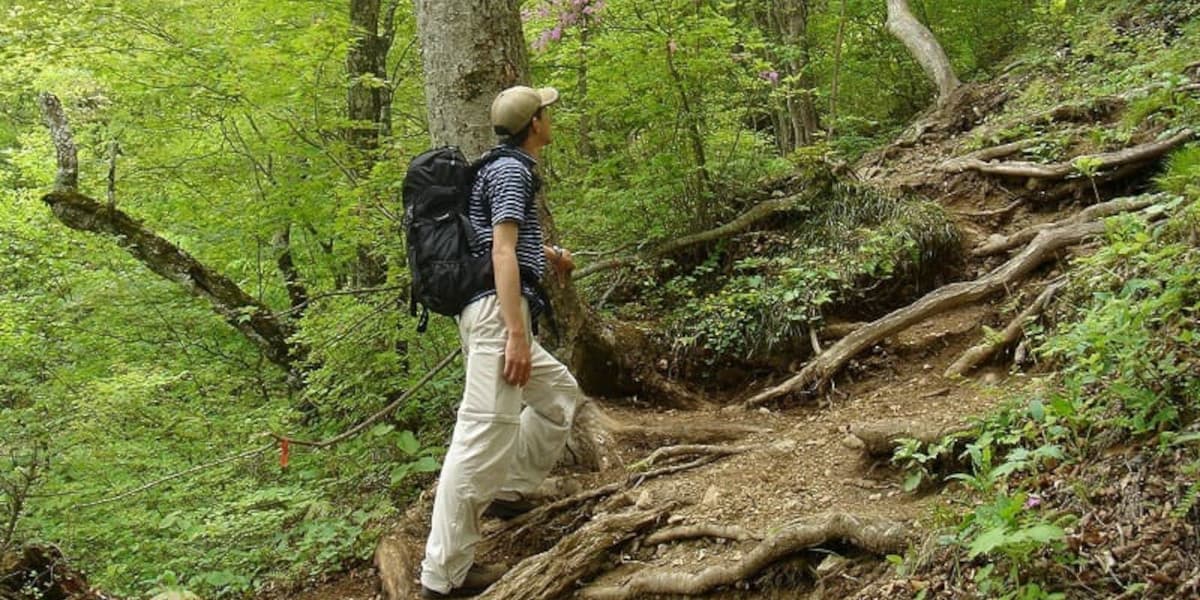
x=445, y=277
x=439, y=236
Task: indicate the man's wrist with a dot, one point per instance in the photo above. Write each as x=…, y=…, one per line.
x=517, y=333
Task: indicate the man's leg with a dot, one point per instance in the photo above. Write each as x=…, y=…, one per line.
x=551, y=398
x=481, y=449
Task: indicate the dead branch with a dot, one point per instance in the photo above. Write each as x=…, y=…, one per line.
x=757, y=213
x=581, y=555
x=881, y=438
x=999, y=244
x=703, y=530
x=67, y=179
x=879, y=536
x=249, y=316
x=1056, y=171
x=976, y=355
x=818, y=371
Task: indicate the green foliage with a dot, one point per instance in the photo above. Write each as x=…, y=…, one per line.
x=853, y=247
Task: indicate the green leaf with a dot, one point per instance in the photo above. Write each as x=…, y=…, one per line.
x=407, y=443
x=987, y=541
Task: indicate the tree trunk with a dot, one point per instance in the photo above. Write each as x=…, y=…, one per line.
x=794, y=27
x=923, y=46
x=366, y=98
x=586, y=148
x=471, y=51
x=837, y=71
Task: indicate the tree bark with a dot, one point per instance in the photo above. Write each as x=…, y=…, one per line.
x=801, y=108
x=924, y=47
x=471, y=49
x=366, y=108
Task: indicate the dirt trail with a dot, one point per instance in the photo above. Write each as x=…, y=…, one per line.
x=798, y=463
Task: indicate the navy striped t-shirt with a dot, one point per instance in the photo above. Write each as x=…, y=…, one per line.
x=504, y=192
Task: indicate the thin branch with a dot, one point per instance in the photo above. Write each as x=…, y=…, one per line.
x=67, y=179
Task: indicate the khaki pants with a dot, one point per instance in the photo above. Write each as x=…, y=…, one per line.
x=498, y=447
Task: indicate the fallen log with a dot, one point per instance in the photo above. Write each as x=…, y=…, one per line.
x=879, y=536
x=818, y=371
x=1094, y=162
x=979, y=353
x=578, y=556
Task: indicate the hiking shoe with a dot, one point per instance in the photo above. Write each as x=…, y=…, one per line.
x=478, y=579
x=508, y=509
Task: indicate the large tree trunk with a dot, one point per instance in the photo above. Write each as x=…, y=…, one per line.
x=793, y=22
x=923, y=46
x=471, y=50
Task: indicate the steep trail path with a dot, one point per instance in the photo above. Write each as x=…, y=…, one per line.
x=794, y=460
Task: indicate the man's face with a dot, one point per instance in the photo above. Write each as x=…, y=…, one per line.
x=542, y=127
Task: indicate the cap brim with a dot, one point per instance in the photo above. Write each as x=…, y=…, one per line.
x=549, y=95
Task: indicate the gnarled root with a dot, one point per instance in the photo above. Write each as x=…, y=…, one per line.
x=818, y=371
x=999, y=244
x=702, y=530
x=879, y=536
x=1056, y=171
x=580, y=555
x=977, y=354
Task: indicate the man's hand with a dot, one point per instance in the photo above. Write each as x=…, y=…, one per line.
x=562, y=260
x=517, y=360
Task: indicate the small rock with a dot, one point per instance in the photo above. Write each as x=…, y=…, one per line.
x=764, y=410
x=875, y=496
x=991, y=378
x=852, y=442
x=712, y=496
x=784, y=446
x=927, y=366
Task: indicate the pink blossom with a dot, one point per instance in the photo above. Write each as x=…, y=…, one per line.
x=556, y=33
x=1033, y=501
x=772, y=76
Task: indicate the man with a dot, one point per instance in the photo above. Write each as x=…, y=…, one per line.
x=500, y=452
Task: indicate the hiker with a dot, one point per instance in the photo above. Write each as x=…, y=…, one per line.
x=518, y=401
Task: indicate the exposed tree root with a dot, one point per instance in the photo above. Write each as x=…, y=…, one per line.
x=703, y=530
x=998, y=244
x=881, y=438
x=591, y=444
x=687, y=450
x=756, y=213
x=543, y=516
x=399, y=552
x=959, y=164
x=1096, y=162
x=689, y=434
x=998, y=212
x=977, y=354
x=818, y=371
x=879, y=536
x=580, y=555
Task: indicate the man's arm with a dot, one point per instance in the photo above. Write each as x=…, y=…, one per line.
x=508, y=291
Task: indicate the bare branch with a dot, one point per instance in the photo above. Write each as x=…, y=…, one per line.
x=67, y=179
x=1098, y=162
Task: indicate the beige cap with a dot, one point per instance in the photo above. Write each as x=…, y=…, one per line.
x=514, y=108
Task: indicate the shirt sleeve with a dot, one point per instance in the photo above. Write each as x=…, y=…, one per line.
x=511, y=188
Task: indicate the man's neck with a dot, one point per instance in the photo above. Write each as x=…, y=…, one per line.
x=533, y=149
